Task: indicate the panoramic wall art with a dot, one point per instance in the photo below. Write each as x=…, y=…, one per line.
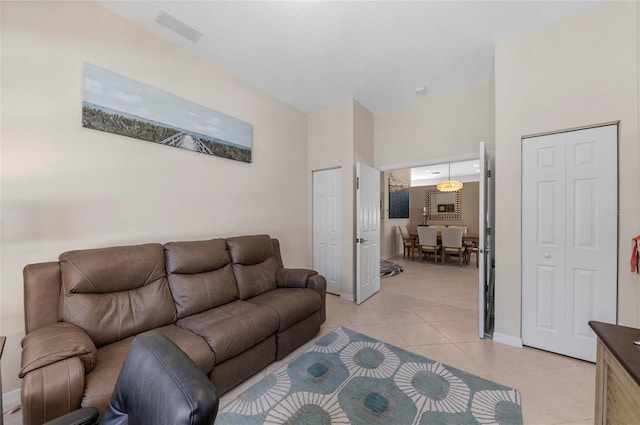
x=119, y=105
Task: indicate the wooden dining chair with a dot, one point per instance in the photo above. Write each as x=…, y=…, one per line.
x=452, y=244
x=408, y=242
x=428, y=241
x=471, y=248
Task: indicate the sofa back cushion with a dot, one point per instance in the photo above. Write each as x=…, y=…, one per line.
x=114, y=293
x=200, y=275
x=254, y=264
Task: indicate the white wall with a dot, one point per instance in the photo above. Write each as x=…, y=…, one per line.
x=363, y=153
x=443, y=126
x=66, y=187
x=446, y=126
x=469, y=208
x=330, y=144
x=340, y=136
x=362, y=134
x=577, y=72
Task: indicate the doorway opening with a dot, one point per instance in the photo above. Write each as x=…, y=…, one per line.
x=416, y=185
x=471, y=208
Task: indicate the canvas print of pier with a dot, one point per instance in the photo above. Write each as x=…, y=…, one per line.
x=116, y=104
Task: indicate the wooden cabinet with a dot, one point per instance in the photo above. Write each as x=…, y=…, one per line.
x=617, y=374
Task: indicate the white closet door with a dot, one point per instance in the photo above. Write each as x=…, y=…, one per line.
x=569, y=238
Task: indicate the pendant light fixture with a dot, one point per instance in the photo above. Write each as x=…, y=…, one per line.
x=449, y=185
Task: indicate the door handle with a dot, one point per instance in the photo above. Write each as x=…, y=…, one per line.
x=547, y=255
x=358, y=240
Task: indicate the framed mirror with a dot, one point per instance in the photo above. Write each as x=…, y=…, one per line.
x=444, y=205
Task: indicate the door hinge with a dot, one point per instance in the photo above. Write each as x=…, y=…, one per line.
x=357, y=183
x=488, y=173
x=488, y=230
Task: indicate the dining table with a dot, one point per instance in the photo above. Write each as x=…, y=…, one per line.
x=466, y=237
x=471, y=237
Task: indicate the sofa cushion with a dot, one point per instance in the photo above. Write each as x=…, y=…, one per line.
x=293, y=305
x=114, y=293
x=193, y=346
x=115, y=269
x=200, y=275
x=102, y=380
x=254, y=264
x=233, y=328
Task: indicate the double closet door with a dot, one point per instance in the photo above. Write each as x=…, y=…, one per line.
x=569, y=238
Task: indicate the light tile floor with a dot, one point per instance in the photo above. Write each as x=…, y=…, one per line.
x=432, y=310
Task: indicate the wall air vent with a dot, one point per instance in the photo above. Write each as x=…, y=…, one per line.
x=178, y=26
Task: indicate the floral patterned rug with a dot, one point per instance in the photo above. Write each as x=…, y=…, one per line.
x=350, y=378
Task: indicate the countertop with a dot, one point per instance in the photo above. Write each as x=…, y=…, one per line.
x=619, y=341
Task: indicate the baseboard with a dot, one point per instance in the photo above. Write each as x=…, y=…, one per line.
x=507, y=339
x=345, y=296
x=11, y=399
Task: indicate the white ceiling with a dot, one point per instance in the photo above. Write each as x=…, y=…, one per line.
x=315, y=54
x=465, y=171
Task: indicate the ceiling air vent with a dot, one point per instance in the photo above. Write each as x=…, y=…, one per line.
x=178, y=26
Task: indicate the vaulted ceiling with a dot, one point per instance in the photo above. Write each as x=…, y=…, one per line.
x=314, y=54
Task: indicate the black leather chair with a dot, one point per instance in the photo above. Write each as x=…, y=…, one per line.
x=158, y=384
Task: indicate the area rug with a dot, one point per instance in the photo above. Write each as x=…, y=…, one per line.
x=387, y=268
x=350, y=378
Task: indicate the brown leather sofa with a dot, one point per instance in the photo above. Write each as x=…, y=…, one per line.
x=229, y=304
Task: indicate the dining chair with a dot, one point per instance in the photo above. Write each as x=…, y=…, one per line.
x=452, y=244
x=456, y=226
x=471, y=248
x=428, y=241
x=408, y=242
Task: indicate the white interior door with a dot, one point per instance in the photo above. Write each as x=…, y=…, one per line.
x=569, y=238
x=327, y=210
x=483, y=246
x=367, y=232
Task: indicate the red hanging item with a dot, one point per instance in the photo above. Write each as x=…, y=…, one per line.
x=634, y=255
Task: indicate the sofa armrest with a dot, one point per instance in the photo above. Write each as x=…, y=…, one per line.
x=56, y=342
x=52, y=391
x=318, y=283
x=305, y=278
x=294, y=278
